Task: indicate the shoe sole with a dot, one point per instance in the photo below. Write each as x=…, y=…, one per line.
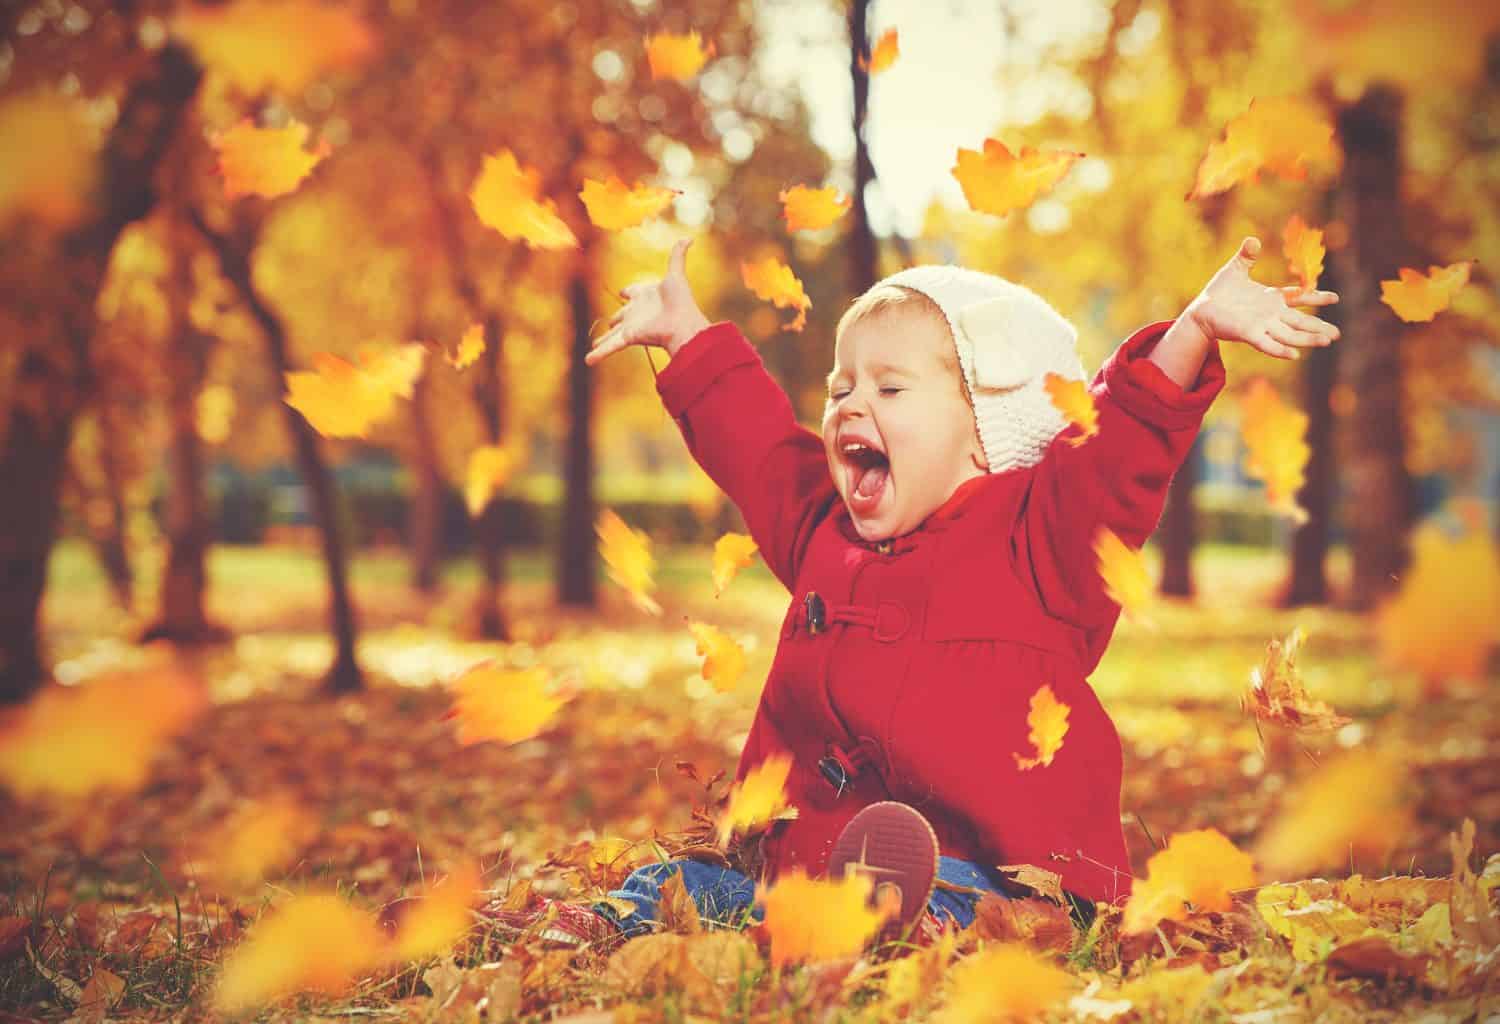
x=895, y=844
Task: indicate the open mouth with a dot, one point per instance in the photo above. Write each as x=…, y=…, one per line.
x=869, y=471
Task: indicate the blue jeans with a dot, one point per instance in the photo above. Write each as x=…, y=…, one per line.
x=727, y=897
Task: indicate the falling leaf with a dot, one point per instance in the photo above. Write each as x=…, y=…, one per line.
x=818, y=919
x=1073, y=399
x=1350, y=807
x=1417, y=299
x=1200, y=867
x=490, y=466
x=887, y=49
x=260, y=837
x=505, y=704
x=627, y=553
x=1127, y=581
x=51, y=158
x=342, y=399
x=438, y=920
x=1277, y=694
x=274, y=45
x=732, y=552
x=676, y=57
x=1281, y=135
x=315, y=942
x=1303, y=247
x=773, y=281
x=1048, y=722
x=758, y=798
x=613, y=206
x=1005, y=982
x=507, y=197
x=266, y=162
x=1275, y=436
x=812, y=209
x=723, y=657
x=101, y=735
x=470, y=348
x=996, y=182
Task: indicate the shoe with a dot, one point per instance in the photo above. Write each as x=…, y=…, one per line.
x=554, y=923
x=896, y=848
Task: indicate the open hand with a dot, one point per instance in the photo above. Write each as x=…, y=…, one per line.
x=1232, y=307
x=655, y=312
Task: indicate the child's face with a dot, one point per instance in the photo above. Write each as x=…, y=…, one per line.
x=891, y=391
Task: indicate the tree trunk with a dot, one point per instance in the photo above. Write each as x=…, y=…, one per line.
x=234, y=261
x=109, y=540
x=1179, y=529
x=36, y=437
x=425, y=526
x=489, y=395
x=575, y=556
x=1381, y=502
x=862, y=251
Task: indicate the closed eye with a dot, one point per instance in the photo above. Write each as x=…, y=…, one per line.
x=891, y=391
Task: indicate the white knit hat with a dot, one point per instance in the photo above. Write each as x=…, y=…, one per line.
x=1008, y=340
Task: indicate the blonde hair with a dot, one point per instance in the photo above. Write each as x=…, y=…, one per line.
x=886, y=298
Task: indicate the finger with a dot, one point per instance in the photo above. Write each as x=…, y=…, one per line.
x=609, y=343
x=1249, y=250
x=677, y=263
x=1263, y=341
x=1291, y=339
x=630, y=291
x=1295, y=295
x=1325, y=331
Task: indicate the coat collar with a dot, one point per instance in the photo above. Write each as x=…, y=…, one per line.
x=937, y=520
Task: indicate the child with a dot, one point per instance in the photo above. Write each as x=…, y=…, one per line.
x=937, y=540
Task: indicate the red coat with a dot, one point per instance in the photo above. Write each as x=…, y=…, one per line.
x=933, y=643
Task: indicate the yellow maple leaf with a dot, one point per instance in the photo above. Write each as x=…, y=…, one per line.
x=676, y=56
x=506, y=704
x=1127, y=581
x=267, y=162
x=627, y=553
x=773, y=281
x=1416, y=298
x=438, y=920
x=342, y=399
x=1003, y=982
x=314, y=942
x=732, y=552
x=1281, y=135
x=100, y=735
x=259, y=837
x=470, y=348
x=613, y=206
x=507, y=197
x=1444, y=620
x=818, y=919
x=1351, y=806
x=812, y=209
x=1073, y=399
x=1048, y=722
x=887, y=48
x=1303, y=247
x=1275, y=436
x=723, y=657
x=1277, y=695
x=284, y=45
x=757, y=798
x=1200, y=867
x=51, y=158
x=995, y=181
x=490, y=466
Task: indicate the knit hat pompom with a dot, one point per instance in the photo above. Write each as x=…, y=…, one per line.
x=1008, y=339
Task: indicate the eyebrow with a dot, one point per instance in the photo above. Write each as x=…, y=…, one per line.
x=875, y=368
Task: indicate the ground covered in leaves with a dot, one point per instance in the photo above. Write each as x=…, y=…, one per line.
x=107, y=909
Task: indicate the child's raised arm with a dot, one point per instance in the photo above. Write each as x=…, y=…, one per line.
x=737, y=421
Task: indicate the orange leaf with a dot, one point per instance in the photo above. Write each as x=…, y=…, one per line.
x=723, y=657
x=773, y=281
x=1304, y=251
x=1048, y=722
x=676, y=57
x=490, y=466
x=470, y=348
x=887, y=49
x=1280, y=135
x=281, y=45
x=504, y=704
x=612, y=206
x=439, y=920
x=1199, y=867
x=811, y=209
x=314, y=942
x=260, y=837
x=1127, y=581
x=265, y=162
x=732, y=552
x=1351, y=806
x=1277, y=694
x=1073, y=399
x=818, y=919
x=1417, y=299
x=507, y=197
x=1275, y=436
x=1004, y=982
x=340, y=399
x=627, y=553
x=997, y=182
x=758, y=798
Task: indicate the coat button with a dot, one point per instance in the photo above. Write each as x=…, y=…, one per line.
x=816, y=612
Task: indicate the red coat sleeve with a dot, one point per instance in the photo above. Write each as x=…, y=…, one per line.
x=1117, y=478
x=739, y=424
